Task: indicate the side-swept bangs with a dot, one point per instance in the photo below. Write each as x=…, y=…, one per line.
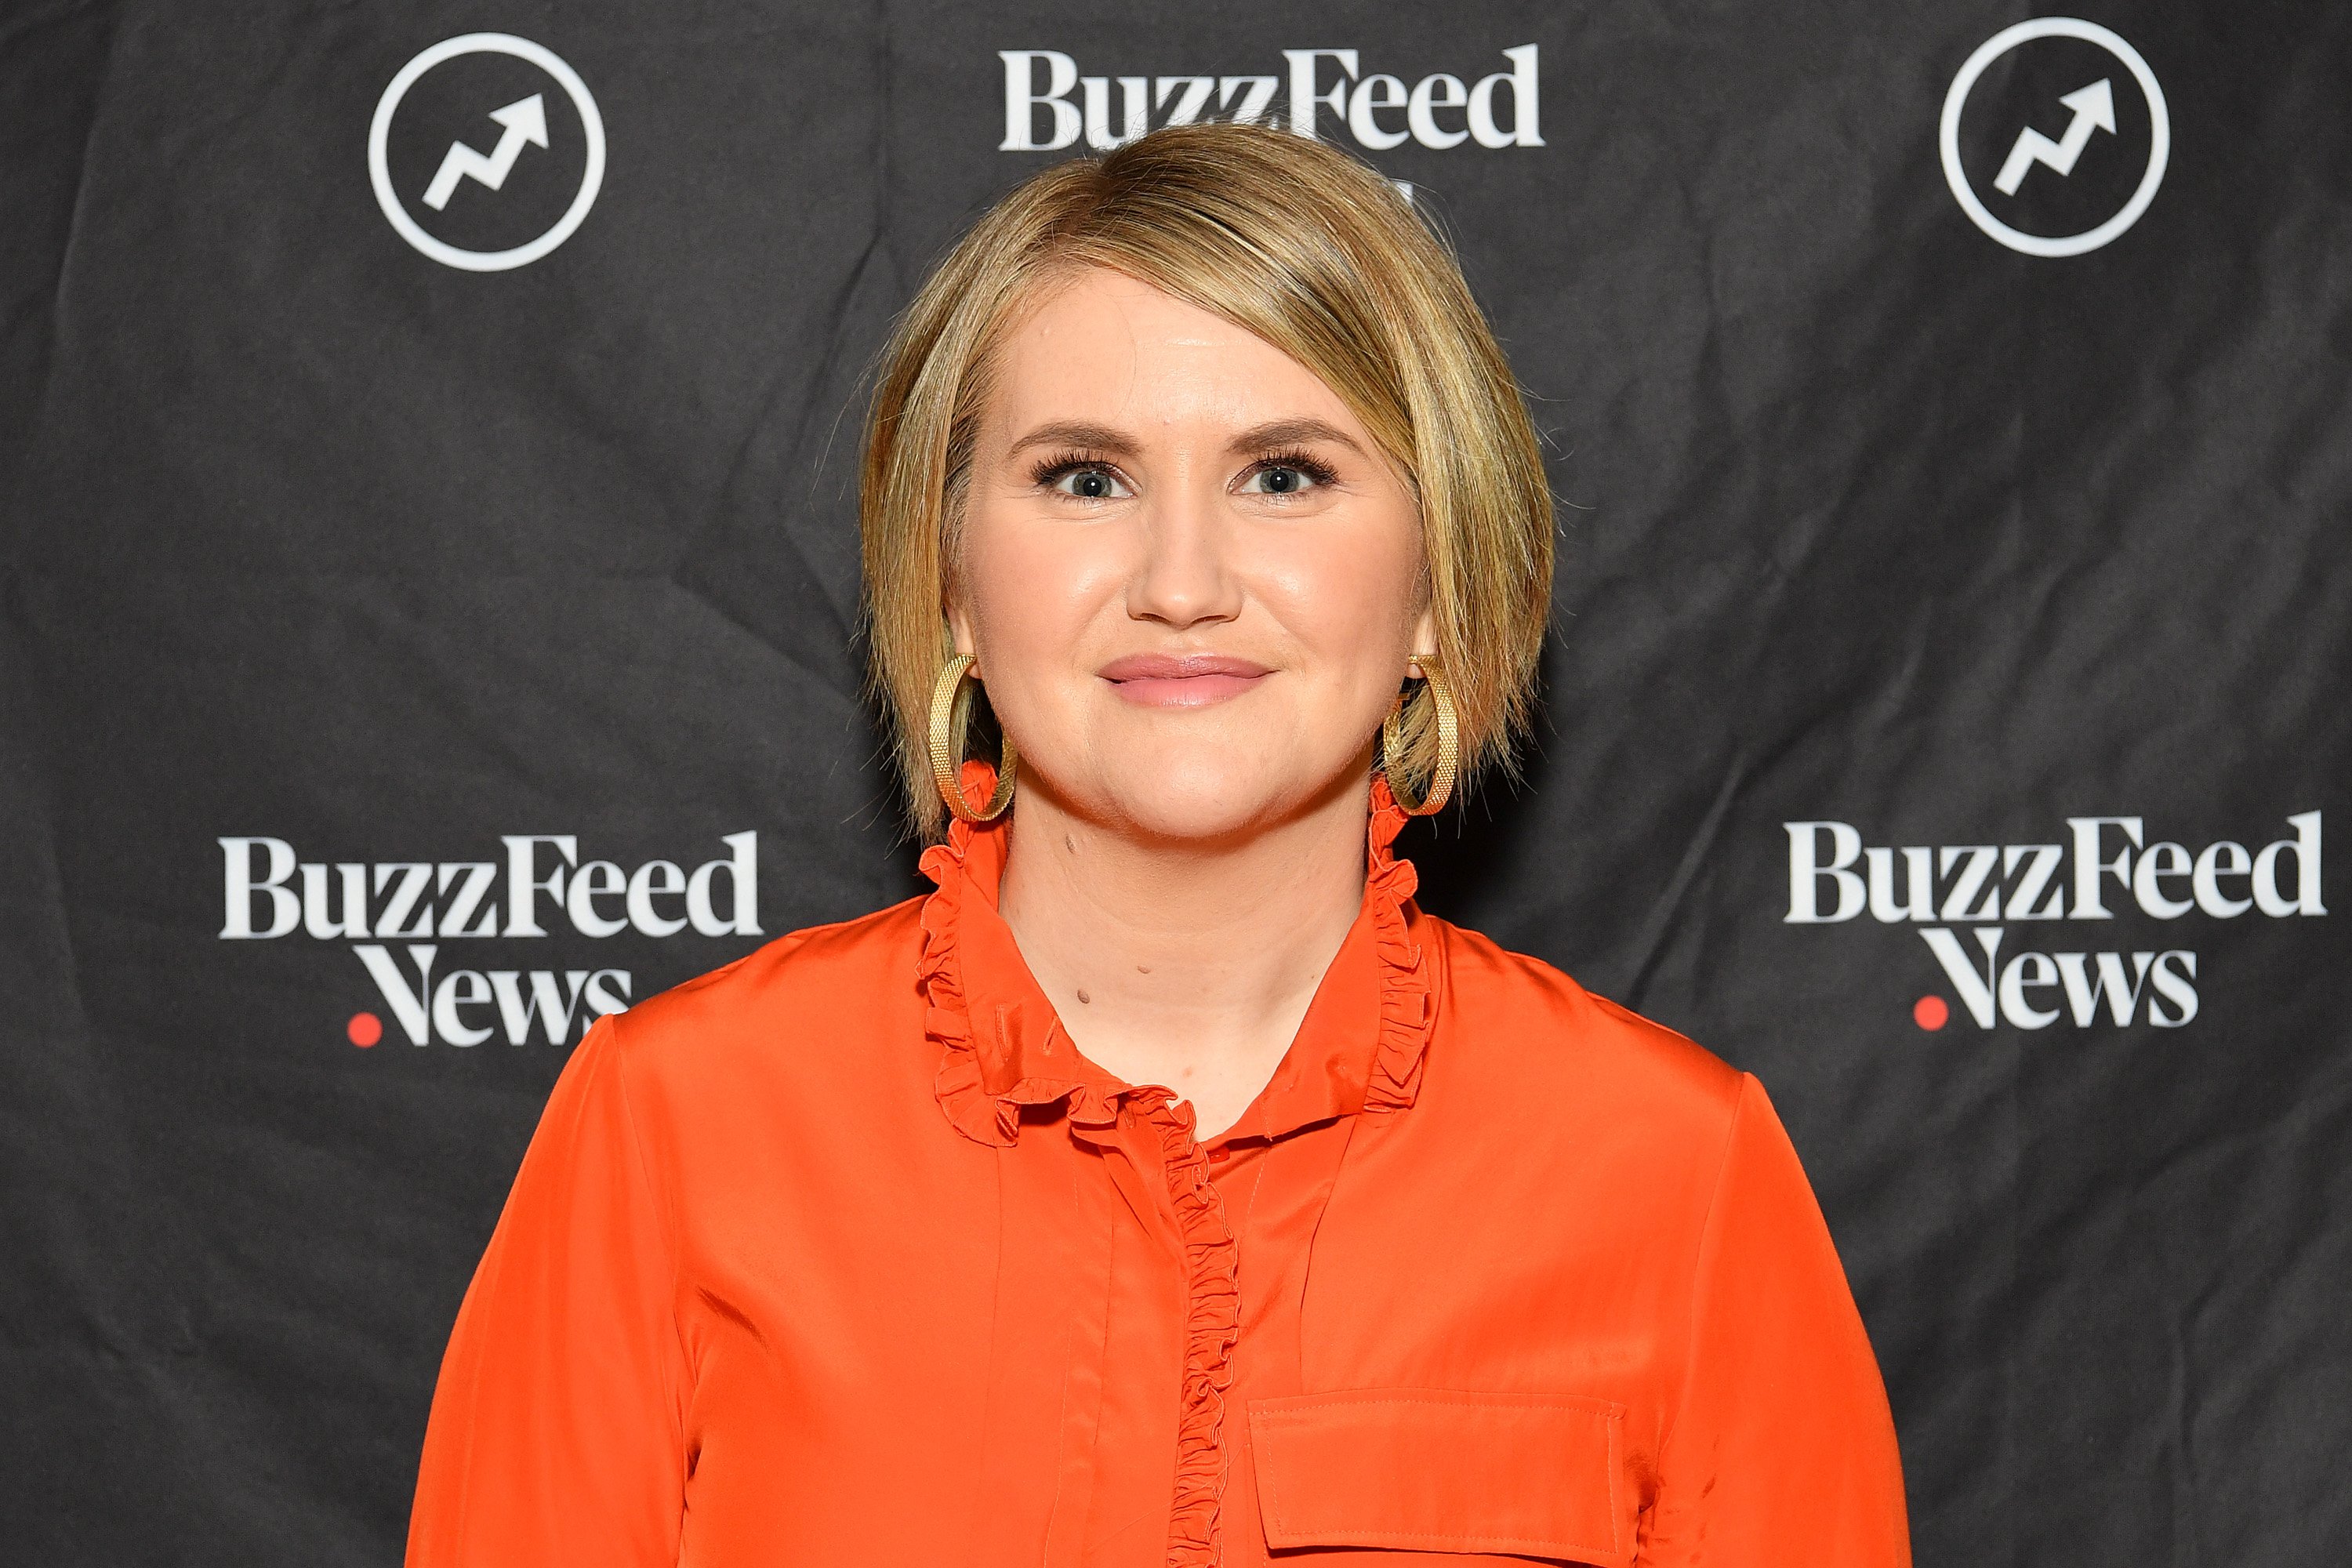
x=1302, y=245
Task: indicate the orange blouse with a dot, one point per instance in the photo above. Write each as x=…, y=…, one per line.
x=843, y=1256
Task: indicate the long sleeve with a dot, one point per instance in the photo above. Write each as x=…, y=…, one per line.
x=1781, y=1449
x=556, y=1436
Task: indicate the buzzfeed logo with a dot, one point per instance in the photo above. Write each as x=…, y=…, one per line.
x=1834, y=877
x=1378, y=110
x=268, y=893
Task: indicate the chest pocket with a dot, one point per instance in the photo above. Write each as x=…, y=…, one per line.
x=1434, y=1471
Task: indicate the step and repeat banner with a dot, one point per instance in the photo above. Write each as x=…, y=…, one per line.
x=428, y=623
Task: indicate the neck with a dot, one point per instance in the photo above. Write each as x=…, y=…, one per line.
x=1184, y=964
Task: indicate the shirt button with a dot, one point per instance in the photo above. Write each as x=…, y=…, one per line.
x=1220, y=1154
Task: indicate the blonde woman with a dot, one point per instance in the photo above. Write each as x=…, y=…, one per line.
x=1164, y=1187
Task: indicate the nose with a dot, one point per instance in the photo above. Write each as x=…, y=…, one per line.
x=1185, y=577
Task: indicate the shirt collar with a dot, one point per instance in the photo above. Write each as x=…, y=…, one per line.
x=1003, y=1047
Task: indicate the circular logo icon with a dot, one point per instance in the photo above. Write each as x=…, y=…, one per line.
x=2094, y=115
x=521, y=125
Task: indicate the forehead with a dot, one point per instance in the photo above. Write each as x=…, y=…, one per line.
x=1103, y=346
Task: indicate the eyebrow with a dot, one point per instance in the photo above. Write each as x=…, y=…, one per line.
x=1292, y=433
x=1118, y=444
x=1079, y=433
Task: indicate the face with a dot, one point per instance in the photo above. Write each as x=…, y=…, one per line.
x=1192, y=583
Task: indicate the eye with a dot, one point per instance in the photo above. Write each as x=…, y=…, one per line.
x=1089, y=484
x=1287, y=474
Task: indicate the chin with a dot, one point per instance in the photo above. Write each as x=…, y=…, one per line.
x=1210, y=797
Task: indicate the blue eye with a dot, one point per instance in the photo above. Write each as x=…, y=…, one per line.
x=1287, y=474
x=1089, y=484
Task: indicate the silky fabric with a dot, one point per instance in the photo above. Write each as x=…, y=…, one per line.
x=844, y=1255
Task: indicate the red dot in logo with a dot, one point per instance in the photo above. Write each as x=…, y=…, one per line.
x=366, y=1029
x=1928, y=1012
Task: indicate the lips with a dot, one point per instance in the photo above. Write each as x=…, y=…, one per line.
x=1181, y=681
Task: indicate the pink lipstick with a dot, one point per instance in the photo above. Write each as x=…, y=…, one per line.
x=1181, y=681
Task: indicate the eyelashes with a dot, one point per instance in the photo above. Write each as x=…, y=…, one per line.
x=1321, y=472
x=1051, y=470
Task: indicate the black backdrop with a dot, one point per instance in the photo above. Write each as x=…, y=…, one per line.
x=1896, y=558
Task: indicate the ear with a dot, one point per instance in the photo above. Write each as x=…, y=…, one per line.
x=959, y=628
x=1424, y=639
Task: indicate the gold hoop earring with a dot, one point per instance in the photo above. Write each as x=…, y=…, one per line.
x=947, y=696
x=1449, y=743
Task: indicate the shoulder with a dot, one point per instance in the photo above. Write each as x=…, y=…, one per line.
x=803, y=1068
x=830, y=986
x=1519, y=1019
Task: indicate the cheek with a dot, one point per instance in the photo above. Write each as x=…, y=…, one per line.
x=1031, y=589
x=1352, y=594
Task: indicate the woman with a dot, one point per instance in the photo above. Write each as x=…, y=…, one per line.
x=1164, y=1188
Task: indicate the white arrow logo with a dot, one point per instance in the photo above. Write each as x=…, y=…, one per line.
x=2094, y=107
x=2095, y=110
x=527, y=121
x=524, y=121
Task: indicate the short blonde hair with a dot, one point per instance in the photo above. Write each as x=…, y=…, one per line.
x=1312, y=251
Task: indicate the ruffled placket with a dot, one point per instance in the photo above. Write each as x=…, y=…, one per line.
x=983, y=1085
